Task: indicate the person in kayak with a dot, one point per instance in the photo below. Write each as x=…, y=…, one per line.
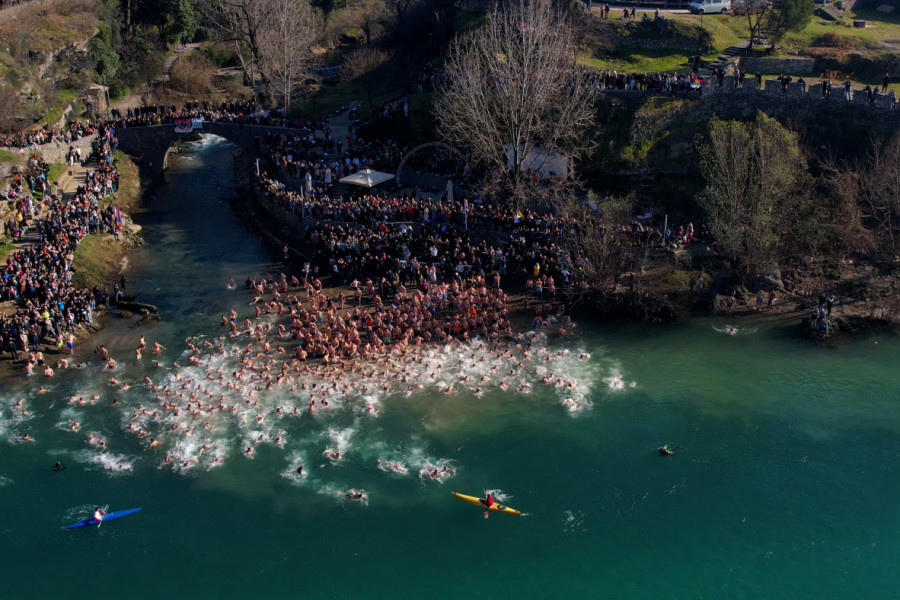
x=665, y=451
x=488, y=501
x=98, y=514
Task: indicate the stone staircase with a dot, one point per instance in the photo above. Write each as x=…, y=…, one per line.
x=74, y=176
x=727, y=58
x=68, y=185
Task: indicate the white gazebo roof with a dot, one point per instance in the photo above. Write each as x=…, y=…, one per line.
x=367, y=178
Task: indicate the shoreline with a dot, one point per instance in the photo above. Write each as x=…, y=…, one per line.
x=252, y=212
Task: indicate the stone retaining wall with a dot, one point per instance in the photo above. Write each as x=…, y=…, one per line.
x=55, y=152
x=773, y=92
x=788, y=66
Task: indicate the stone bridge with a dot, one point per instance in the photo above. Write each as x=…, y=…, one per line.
x=149, y=145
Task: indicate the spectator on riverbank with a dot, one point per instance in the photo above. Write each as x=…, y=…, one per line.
x=39, y=277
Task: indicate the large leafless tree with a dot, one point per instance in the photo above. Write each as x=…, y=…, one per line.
x=512, y=87
x=286, y=46
x=273, y=39
x=364, y=67
x=873, y=184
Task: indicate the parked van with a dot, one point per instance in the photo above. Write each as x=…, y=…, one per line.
x=710, y=7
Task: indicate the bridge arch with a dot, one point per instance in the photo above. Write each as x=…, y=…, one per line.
x=441, y=145
x=148, y=145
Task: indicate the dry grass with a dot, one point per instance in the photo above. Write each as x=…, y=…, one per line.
x=97, y=259
x=38, y=29
x=192, y=75
x=129, y=193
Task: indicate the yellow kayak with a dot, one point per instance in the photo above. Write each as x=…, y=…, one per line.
x=478, y=502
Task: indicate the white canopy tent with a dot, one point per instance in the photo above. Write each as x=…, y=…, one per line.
x=367, y=178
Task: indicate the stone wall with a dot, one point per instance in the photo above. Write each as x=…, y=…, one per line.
x=54, y=152
x=788, y=66
x=773, y=93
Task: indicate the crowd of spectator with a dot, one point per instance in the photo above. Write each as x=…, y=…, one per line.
x=39, y=277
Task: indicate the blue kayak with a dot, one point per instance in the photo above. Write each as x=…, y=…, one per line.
x=107, y=517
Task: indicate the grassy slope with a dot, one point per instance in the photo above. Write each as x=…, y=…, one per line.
x=727, y=30
x=97, y=257
x=129, y=193
x=640, y=61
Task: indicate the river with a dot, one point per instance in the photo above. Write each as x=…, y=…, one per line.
x=783, y=483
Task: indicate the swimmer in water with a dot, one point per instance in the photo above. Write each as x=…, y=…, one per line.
x=665, y=450
x=732, y=331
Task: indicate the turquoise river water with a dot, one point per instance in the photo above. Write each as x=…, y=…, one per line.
x=783, y=484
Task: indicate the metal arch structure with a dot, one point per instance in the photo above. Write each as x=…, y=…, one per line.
x=422, y=147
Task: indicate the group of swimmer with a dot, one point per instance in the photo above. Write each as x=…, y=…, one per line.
x=322, y=353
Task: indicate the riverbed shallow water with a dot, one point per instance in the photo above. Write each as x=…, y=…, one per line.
x=783, y=483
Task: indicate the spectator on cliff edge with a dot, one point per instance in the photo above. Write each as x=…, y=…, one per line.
x=885, y=82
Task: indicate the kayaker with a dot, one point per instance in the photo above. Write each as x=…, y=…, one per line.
x=488, y=501
x=665, y=451
x=59, y=466
x=98, y=514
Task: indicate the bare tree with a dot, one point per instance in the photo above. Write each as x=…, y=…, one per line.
x=595, y=240
x=399, y=8
x=363, y=66
x=271, y=37
x=367, y=16
x=875, y=184
x=513, y=91
x=755, y=12
x=286, y=46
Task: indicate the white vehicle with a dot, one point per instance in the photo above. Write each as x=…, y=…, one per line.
x=710, y=7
